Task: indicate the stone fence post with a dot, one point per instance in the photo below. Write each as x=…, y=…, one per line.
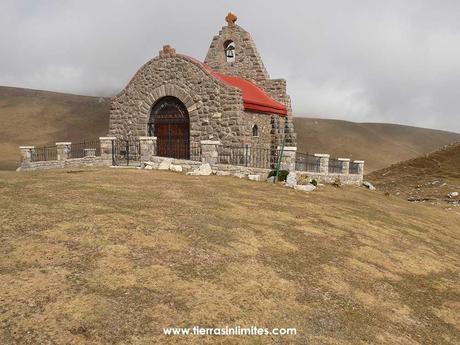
x=26, y=155
x=288, y=158
x=148, y=147
x=106, y=149
x=323, y=162
x=360, y=167
x=345, y=165
x=209, y=152
x=63, y=150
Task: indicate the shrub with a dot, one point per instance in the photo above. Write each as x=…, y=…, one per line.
x=282, y=174
x=314, y=182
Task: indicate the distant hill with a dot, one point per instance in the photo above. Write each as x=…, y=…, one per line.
x=32, y=117
x=380, y=145
x=428, y=178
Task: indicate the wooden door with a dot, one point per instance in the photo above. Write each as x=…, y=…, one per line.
x=172, y=128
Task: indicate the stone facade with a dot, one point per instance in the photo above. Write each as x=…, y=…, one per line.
x=216, y=110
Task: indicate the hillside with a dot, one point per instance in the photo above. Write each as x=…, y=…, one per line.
x=380, y=145
x=31, y=117
x=114, y=255
x=428, y=178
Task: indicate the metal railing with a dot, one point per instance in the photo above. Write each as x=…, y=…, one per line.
x=248, y=156
x=126, y=151
x=87, y=148
x=178, y=148
x=195, y=152
x=335, y=166
x=307, y=162
x=354, y=168
x=46, y=153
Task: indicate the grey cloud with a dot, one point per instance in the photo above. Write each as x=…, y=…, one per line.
x=392, y=61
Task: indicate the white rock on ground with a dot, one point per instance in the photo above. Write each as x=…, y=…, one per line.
x=254, y=177
x=305, y=187
x=150, y=165
x=369, y=185
x=165, y=164
x=203, y=170
x=452, y=194
x=239, y=175
x=291, y=179
x=175, y=167
x=222, y=173
x=271, y=179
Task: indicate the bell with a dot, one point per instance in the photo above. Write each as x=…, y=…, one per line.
x=229, y=52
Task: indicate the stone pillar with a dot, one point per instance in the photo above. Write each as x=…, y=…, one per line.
x=106, y=148
x=26, y=155
x=63, y=150
x=288, y=158
x=360, y=167
x=148, y=148
x=345, y=165
x=323, y=163
x=289, y=134
x=209, y=153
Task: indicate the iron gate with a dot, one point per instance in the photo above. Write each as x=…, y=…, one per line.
x=126, y=152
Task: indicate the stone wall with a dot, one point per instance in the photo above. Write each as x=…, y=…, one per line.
x=346, y=179
x=209, y=155
x=263, y=122
x=67, y=163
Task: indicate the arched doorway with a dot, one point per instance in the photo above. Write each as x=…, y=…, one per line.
x=170, y=123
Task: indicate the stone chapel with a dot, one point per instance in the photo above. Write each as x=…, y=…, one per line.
x=228, y=98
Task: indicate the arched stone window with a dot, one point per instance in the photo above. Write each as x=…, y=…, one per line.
x=255, y=131
x=229, y=48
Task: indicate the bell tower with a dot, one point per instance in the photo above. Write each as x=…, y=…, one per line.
x=233, y=52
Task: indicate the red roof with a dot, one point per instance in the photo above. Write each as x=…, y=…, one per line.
x=254, y=98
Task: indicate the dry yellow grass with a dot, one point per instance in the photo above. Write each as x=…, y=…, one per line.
x=112, y=256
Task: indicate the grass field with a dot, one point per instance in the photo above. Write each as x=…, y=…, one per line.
x=112, y=256
x=33, y=117
x=428, y=178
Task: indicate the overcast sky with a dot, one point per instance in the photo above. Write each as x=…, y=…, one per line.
x=367, y=61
